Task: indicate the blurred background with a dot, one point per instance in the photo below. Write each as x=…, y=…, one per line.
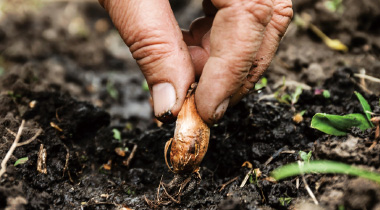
x=72, y=46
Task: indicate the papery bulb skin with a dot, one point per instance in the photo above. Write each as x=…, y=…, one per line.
x=190, y=142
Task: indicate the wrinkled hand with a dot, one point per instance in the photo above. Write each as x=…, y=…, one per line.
x=228, y=49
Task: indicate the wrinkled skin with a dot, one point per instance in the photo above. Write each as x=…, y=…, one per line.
x=228, y=49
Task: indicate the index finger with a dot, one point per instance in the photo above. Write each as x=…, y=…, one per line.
x=155, y=40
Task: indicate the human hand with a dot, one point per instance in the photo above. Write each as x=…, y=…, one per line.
x=228, y=49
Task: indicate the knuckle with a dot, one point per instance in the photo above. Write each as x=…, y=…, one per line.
x=262, y=10
x=284, y=9
x=282, y=15
x=150, y=50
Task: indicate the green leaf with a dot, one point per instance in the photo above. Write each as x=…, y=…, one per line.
x=324, y=167
x=145, y=86
x=111, y=89
x=21, y=161
x=366, y=107
x=339, y=125
x=330, y=6
x=261, y=84
x=334, y=5
x=326, y=94
x=302, y=112
x=285, y=200
x=286, y=98
x=296, y=94
x=116, y=134
x=305, y=156
x=251, y=179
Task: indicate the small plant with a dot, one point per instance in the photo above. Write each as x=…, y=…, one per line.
x=324, y=167
x=13, y=95
x=251, y=179
x=326, y=94
x=21, y=161
x=131, y=192
x=116, y=134
x=296, y=95
x=261, y=84
x=304, y=22
x=284, y=201
x=111, y=89
x=339, y=125
x=366, y=108
x=305, y=156
x=334, y=6
x=286, y=98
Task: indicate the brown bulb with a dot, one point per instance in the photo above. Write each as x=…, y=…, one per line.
x=190, y=142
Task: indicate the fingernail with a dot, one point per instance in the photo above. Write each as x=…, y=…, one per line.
x=164, y=98
x=219, y=112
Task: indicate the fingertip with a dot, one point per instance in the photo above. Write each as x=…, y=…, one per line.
x=164, y=98
x=210, y=109
x=168, y=98
x=220, y=110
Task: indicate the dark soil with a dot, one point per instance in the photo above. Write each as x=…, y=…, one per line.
x=83, y=84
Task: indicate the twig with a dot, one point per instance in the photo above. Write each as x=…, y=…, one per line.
x=67, y=163
x=158, y=190
x=300, y=164
x=10, y=151
x=246, y=178
x=227, y=183
x=277, y=153
x=41, y=160
x=362, y=80
x=367, y=77
x=11, y=132
x=31, y=139
x=169, y=196
x=130, y=157
x=365, y=89
x=5, y=138
x=288, y=152
x=292, y=83
x=374, y=143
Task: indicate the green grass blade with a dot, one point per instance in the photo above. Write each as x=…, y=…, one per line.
x=324, y=167
x=366, y=106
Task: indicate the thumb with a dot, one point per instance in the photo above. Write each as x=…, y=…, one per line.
x=235, y=37
x=155, y=40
